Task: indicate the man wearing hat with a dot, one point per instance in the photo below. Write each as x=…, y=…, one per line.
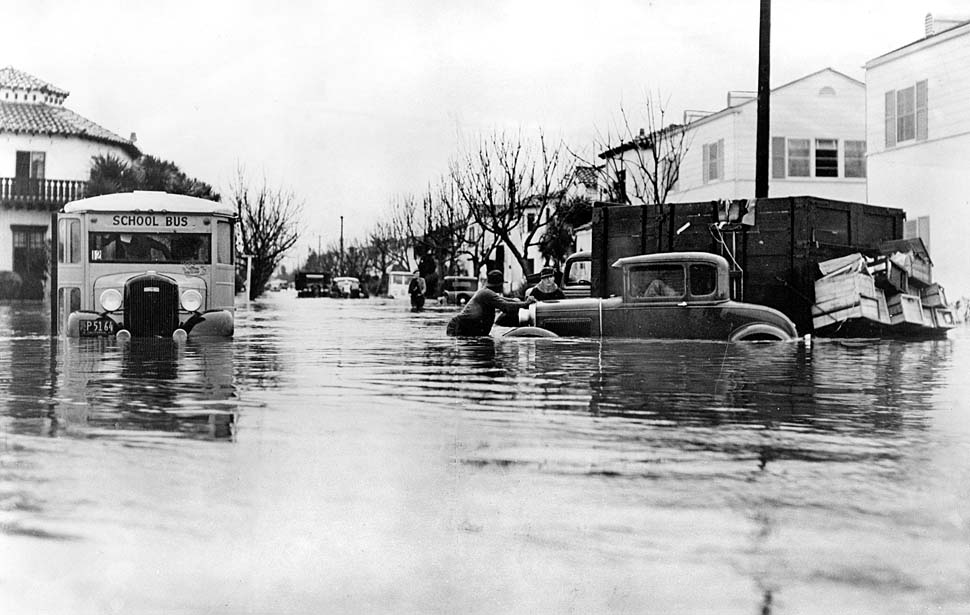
x=478, y=315
x=546, y=289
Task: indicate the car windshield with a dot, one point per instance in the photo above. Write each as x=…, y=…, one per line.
x=578, y=272
x=150, y=247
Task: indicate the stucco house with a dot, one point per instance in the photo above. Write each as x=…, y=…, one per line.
x=45, y=161
x=918, y=130
x=818, y=144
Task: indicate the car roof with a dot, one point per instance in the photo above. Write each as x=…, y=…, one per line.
x=147, y=200
x=666, y=257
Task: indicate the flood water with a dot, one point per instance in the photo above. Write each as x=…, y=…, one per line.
x=347, y=457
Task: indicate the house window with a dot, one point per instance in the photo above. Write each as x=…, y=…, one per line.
x=530, y=222
x=714, y=161
x=855, y=158
x=826, y=158
x=29, y=172
x=906, y=114
x=799, y=157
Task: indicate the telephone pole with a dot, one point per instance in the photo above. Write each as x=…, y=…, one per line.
x=341, y=266
x=764, y=94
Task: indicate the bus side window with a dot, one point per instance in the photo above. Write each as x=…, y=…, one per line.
x=69, y=241
x=224, y=246
x=75, y=244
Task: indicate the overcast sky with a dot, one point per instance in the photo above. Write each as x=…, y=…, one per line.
x=352, y=104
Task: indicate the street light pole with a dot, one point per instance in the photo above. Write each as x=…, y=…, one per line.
x=341, y=268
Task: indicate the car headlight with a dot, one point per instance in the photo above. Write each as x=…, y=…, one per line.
x=111, y=300
x=191, y=300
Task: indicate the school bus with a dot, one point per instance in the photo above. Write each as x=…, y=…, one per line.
x=143, y=264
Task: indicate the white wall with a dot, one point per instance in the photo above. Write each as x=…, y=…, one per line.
x=67, y=157
x=932, y=180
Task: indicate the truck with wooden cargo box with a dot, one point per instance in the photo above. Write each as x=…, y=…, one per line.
x=775, y=247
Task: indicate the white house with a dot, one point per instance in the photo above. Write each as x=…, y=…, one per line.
x=818, y=144
x=45, y=161
x=918, y=119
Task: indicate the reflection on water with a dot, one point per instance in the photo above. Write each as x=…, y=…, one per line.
x=372, y=463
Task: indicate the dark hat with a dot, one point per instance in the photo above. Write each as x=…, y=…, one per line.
x=547, y=272
x=495, y=278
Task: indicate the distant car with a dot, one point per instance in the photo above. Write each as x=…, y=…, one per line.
x=312, y=284
x=347, y=288
x=459, y=289
x=675, y=295
x=577, y=274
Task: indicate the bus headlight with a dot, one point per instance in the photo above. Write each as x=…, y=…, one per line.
x=191, y=300
x=110, y=300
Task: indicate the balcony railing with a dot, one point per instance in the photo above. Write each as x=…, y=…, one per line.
x=39, y=194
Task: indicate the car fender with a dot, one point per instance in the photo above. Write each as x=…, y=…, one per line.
x=530, y=332
x=760, y=331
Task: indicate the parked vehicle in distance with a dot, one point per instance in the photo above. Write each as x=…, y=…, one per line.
x=577, y=275
x=312, y=284
x=459, y=289
x=674, y=295
x=345, y=287
x=397, y=284
x=143, y=264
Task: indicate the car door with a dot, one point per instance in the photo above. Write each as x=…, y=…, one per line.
x=654, y=303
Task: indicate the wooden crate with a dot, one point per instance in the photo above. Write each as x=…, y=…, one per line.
x=943, y=317
x=847, y=287
x=933, y=296
x=889, y=275
x=905, y=309
x=832, y=313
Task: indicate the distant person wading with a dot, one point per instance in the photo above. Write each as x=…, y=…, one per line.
x=478, y=315
x=417, y=289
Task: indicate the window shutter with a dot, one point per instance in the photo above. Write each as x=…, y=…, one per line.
x=922, y=119
x=778, y=157
x=891, y=118
x=707, y=163
x=720, y=159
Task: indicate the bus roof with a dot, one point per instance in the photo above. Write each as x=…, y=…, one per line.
x=141, y=200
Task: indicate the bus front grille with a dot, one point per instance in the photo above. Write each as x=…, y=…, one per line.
x=151, y=306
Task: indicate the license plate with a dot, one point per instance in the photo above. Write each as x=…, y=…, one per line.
x=96, y=328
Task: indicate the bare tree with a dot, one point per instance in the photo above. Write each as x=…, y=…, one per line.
x=268, y=227
x=507, y=180
x=642, y=164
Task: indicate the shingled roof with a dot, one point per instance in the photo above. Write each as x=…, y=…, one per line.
x=43, y=118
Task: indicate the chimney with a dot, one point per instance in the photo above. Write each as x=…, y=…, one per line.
x=133, y=137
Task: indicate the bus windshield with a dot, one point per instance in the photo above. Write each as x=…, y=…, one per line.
x=150, y=248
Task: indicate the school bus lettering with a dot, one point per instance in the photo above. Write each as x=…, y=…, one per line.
x=176, y=220
x=130, y=220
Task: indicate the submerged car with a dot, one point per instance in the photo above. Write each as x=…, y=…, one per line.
x=675, y=295
x=347, y=288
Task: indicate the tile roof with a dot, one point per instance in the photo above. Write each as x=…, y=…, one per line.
x=44, y=119
x=10, y=77
x=588, y=176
